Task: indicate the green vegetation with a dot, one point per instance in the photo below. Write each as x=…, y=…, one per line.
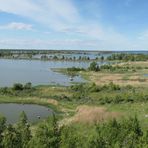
x=17, y=89
x=94, y=67
x=107, y=68
x=86, y=93
x=50, y=55
x=17, y=136
x=109, y=111
x=128, y=57
x=108, y=94
x=19, y=86
x=114, y=68
x=125, y=133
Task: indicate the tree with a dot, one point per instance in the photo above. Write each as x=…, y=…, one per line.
x=102, y=58
x=70, y=137
x=94, y=66
x=97, y=141
x=47, y=134
x=74, y=58
x=11, y=138
x=80, y=58
x=63, y=57
x=55, y=57
x=2, y=128
x=17, y=86
x=28, y=85
x=136, y=126
x=23, y=129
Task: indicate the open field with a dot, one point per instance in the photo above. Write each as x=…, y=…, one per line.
x=135, y=78
x=121, y=79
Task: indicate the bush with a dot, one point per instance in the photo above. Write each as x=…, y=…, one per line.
x=28, y=85
x=17, y=86
x=75, y=69
x=20, y=87
x=94, y=67
x=4, y=90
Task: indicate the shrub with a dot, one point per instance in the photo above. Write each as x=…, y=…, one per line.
x=94, y=67
x=4, y=90
x=17, y=86
x=28, y=85
x=75, y=69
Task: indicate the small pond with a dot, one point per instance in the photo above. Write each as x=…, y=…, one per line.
x=12, y=111
x=145, y=75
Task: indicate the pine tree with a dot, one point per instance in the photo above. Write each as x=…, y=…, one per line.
x=11, y=138
x=47, y=134
x=2, y=128
x=23, y=129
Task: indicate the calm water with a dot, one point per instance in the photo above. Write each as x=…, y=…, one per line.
x=145, y=75
x=91, y=55
x=12, y=112
x=36, y=72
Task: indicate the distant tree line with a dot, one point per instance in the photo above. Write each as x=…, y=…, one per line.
x=48, y=55
x=70, y=58
x=128, y=57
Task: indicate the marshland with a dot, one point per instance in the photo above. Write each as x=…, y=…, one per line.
x=98, y=101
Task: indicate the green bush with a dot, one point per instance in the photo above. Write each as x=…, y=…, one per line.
x=18, y=86
x=94, y=66
x=28, y=85
x=4, y=90
x=75, y=69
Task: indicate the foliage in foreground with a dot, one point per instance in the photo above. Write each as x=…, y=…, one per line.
x=112, y=134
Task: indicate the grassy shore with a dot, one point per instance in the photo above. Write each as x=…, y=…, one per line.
x=134, y=78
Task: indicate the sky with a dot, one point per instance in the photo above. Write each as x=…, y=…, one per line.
x=74, y=24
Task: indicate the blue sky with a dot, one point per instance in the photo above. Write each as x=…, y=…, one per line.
x=74, y=24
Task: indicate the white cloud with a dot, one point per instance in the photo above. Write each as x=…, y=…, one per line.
x=48, y=44
x=60, y=15
x=62, y=44
x=53, y=13
x=91, y=30
x=17, y=26
x=63, y=16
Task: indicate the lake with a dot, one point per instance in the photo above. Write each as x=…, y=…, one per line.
x=37, y=72
x=12, y=111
